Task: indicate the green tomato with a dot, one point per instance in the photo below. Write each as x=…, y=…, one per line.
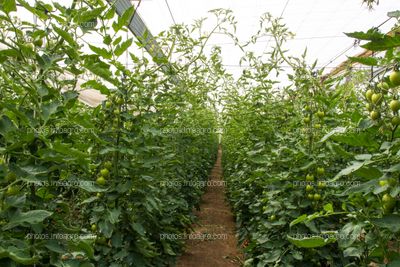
x=374, y=115
x=388, y=203
x=307, y=120
x=383, y=182
x=394, y=78
x=93, y=227
x=108, y=164
x=49, y=44
x=38, y=42
x=321, y=185
x=272, y=217
x=116, y=112
x=120, y=101
x=383, y=86
x=101, y=180
x=388, y=200
x=320, y=170
x=387, y=209
x=320, y=114
x=377, y=98
x=309, y=188
x=394, y=105
x=310, y=177
x=99, y=195
x=264, y=207
x=11, y=177
x=108, y=104
x=317, y=196
x=395, y=121
x=310, y=196
x=317, y=126
x=12, y=190
x=105, y=172
x=368, y=94
x=30, y=46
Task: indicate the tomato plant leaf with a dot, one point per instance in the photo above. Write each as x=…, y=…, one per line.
x=53, y=245
x=6, y=53
x=390, y=222
x=350, y=233
x=113, y=215
x=138, y=228
x=29, y=217
x=85, y=246
x=49, y=109
x=89, y=200
x=6, y=125
x=310, y=242
x=299, y=219
x=15, y=201
x=121, y=48
x=101, y=51
x=370, y=35
x=394, y=168
x=388, y=42
x=353, y=252
x=394, y=14
x=106, y=228
x=369, y=61
x=102, y=70
x=8, y=5
x=117, y=40
x=65, y=35
x=88, y=15
x=368, y=172
x=91, y=187
x=96, y=85
x=124, y=19
x=39, y=13
x=338, y=130
x=167, y=248
x=348, y=170
x=360, y=188
x=18, y=255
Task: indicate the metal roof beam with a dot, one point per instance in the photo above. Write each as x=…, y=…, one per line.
x=139, y=29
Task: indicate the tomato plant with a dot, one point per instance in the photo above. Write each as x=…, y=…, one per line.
x=83, y=186
x=316, y=158
x=312, y=168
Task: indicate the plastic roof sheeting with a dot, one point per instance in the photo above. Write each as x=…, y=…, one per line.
x=318, y=25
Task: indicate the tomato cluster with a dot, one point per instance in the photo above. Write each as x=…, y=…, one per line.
x=383, y=94
x=320, y=185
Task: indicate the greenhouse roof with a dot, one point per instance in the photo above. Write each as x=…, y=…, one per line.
x=318, y=25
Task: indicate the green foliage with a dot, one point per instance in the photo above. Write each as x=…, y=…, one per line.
x=312, y=169
x=82, y=186
x=277, y=141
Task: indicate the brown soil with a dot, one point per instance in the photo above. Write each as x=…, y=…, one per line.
x=216, y=225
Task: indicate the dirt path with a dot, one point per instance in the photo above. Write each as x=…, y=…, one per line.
x=216, y=226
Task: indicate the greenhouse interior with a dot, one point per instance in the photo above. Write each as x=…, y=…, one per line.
x=172, y=133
